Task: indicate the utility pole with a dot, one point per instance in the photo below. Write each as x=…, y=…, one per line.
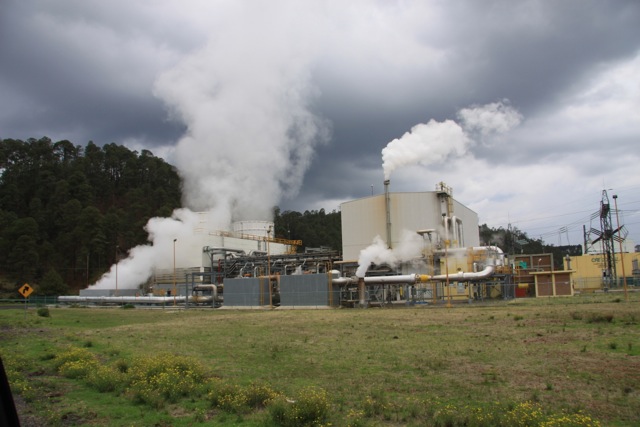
x=624, y=276
x=117, y=247
x=174, y=271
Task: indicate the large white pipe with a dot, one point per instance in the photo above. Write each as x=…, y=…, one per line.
x=343, y=281
x=457, y=230
x=212, y=288
x=454, y=224
x=133, y=299
x=445, y=221
x=494, y=252
x=404, y=278
x=381, y=280
x=495, y=255
x=488, y=271
x=498, y=255
x=497, y=252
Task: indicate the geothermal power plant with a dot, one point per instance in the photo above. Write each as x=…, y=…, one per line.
x=397, y=249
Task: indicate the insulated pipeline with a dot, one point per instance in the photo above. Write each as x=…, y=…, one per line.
x=133, y=299
x=488, y=271
x=380, y=280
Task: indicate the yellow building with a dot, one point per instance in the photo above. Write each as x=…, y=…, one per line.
x=589, y=270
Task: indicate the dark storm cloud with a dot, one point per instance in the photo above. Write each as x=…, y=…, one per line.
x=89, y=70
x=535, y=54
x=532, y=51
x=75, y=82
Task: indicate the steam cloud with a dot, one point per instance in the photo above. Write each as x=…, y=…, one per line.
x=138, y=266
x=424, y=144
x=250, y=137
x=250, y=133
x=490, y=119
x=378, y=253
x=436, y=141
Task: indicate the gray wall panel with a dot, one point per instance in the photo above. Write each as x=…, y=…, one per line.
x=307, y=290
x=244, y=292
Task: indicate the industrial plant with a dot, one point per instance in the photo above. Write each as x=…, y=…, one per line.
x=398, y=249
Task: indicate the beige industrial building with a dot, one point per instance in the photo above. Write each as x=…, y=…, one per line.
x=589, y=271
x=434, y=214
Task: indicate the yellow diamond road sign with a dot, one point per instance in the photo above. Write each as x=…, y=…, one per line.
x=25, y=290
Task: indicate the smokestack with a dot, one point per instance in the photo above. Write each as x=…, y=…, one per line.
x=387, y=206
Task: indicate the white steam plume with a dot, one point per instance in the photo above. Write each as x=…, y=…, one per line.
x=250, y=134
x=436, y=141
x=490, y=119
x=425, y=144
x=410, y=247
x=138, y=266
x=244, y=98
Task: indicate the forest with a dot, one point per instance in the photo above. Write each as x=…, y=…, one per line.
x=67, y=212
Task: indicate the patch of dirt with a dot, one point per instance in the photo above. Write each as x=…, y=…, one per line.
x=25, y=414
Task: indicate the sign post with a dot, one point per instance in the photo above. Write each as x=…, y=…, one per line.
x=25, y=290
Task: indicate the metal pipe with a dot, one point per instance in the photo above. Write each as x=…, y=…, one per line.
x=212, y=288
x=342, y=281
x=454, y=225
x=380, y=280
x=131, y=299
x=361, y=291
x=245, y=266
x=446, y=268
x=221, y=250
x=445, y=223
x=387, y=207
x=498, y=258
x=488, y=271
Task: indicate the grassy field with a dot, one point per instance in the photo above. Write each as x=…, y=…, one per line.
x=548, y=362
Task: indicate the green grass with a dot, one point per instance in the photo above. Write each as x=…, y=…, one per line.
x=476, y=364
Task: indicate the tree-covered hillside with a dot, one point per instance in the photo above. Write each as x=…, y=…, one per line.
x=68, y=209
x=316, y=229
x=514, y=241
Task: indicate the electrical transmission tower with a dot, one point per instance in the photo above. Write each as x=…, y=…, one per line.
x=606, y=235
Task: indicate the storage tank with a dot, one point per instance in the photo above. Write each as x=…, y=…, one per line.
x=254, y=228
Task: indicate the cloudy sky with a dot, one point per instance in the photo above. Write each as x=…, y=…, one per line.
x=527, y=109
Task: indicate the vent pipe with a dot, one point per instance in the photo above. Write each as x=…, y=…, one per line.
x=361, y=292
x=387, y=207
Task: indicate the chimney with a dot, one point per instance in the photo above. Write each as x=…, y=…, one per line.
x=387, y=206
